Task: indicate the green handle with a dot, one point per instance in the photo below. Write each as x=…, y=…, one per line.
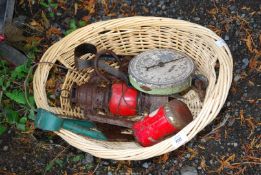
x=78, y=129
x=46, y=120
x=82, y=123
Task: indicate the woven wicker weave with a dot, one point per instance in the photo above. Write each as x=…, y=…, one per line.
x=130, y=36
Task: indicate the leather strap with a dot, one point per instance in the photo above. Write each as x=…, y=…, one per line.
x=98, y=62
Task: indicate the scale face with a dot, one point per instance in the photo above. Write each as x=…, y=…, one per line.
x=161, y=71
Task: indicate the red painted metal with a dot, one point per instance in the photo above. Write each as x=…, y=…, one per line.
x=164, y=121
x=123, y=100
x=2, y=37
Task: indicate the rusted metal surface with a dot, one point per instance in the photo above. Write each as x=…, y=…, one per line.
x=150, y=103
x=199, y=84
x=178, y=114
x=117, y=121
x=108, y=69
x=91, y=97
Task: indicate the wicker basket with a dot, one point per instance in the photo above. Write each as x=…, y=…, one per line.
x=130, y=36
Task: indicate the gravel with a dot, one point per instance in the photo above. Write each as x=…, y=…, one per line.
x=5, y=148
x=88, y=159
x=226, y=37
x=245, y=62
x=145, y=165
x=188, y=170
x=196, y=18
x=237, y=77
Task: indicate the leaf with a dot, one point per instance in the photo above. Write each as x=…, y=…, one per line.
x=90, y=6
x=21, y=126
x=17, y=96
x=203, y=164
x=4, y=84
x=77, y=158
x=49, y=166
x=68, y=31
x=82, y=23
x=213, y=11
x=12, y=116
x=20, y=71
x=59, y=162
x=43, y=4
x=46, y=22
x=72, y=24
x=164, y=158
x=193, y=153
x=54, y=5
x=23, y=120
x=31, y=100
x=252, y=63
x=249, y=43
x=53, y=31
x=31, y=115
x=51, y=14
x=2, y=129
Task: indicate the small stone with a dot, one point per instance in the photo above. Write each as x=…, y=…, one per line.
x=5, y=148
x=145, y=165
x=231, y=121
x=88, y=159
x=109, y=173
x=105, y=163
x=233, y=7
x=59, y=14
x=187, y=155
x=196, y=18
x=211, y=162
x=245, y=63
x=228, y=103
x=235, y=144
x=236, y=78
x=188, y=170
x=226, y=37
x=163, y=7
x=24, y=157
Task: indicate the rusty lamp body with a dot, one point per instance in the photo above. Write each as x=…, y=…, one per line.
x=119, y=99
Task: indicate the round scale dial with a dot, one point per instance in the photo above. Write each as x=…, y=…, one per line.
x=161, y=71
